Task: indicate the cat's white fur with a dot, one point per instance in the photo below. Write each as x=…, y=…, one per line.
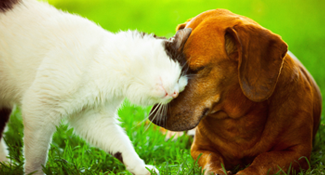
x=55, y=65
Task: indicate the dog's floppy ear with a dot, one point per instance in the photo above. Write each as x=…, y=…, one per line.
x=182, y=26
x=260, y=55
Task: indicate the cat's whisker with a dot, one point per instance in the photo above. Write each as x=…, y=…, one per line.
x=157, y=108
x=165, y=114
x=185, y=70
x=190, y=76
x=146, y=118
x=162, y=114
x=153, y=111
x=186, y=63
x=165, y=118
x=159, y=114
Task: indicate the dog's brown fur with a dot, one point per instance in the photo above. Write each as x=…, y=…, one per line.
x=256, y=104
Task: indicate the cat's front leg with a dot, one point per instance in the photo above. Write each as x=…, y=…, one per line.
x=39, y=124
x=100, y=128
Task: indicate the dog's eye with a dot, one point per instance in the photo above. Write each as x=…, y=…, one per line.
x=194, y=71
x=200, y=68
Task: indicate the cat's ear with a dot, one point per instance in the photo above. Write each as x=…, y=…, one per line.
x=180, y=38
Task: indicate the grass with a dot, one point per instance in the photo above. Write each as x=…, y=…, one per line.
x=299, y=22
x=69, y=154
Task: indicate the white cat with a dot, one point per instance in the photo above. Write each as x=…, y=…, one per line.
x=55, y=65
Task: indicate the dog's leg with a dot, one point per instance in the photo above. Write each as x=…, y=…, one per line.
x=40, y=119
x=4, y=117
x=210, y=161
x=276, y=161
x=101, y=129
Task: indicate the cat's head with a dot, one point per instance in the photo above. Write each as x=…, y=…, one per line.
x=162, y=76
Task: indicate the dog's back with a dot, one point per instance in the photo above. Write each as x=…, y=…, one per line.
x=317, y=98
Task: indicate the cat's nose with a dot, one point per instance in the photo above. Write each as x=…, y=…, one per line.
x=175, y=94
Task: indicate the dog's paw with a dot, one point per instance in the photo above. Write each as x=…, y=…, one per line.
x=228, y=173
x=217, y=172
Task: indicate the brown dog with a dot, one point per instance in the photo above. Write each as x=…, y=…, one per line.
x=253, y=102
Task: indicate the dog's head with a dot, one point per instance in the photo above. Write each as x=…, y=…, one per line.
x=230, y=57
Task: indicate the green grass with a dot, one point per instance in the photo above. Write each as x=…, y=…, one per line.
x=299, y=22
x=69, y=154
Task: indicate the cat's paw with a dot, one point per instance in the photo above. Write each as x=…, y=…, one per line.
x=153, y=169
x=143, y=170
